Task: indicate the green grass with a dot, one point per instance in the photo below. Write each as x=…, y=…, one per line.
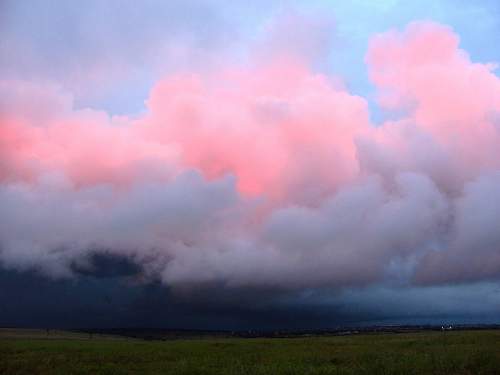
x=454, y=353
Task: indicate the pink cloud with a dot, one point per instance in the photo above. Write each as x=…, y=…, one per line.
x=269, y=125
x=455, y=100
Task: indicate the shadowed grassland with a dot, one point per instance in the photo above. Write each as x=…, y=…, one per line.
x=454, y=353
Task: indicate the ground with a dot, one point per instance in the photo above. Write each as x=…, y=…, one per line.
x=454, y=353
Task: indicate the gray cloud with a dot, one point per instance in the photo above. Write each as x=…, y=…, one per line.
x=192, y=232
x=473, y=248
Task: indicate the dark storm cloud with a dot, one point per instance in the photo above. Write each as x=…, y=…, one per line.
x=96, y=300
x=100, y=264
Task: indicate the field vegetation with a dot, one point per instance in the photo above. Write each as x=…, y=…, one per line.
x=426, y=353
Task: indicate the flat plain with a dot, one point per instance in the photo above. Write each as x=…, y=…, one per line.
x=425, y=353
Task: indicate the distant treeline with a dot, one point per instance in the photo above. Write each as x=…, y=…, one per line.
x=172, y=334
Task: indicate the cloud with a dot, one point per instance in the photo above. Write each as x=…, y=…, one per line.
x=109, y=54
x=313, y=43
x=473, y=251
x=267, y=175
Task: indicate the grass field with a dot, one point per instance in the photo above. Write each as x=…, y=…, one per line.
x=454, y=353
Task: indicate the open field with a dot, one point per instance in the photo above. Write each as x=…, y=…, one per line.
x=454, y=353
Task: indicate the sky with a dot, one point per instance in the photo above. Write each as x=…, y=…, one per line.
x=238, y=165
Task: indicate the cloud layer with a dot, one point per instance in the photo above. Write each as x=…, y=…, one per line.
x=266, y=174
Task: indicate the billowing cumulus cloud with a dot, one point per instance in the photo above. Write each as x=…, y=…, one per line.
x=266, y=174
